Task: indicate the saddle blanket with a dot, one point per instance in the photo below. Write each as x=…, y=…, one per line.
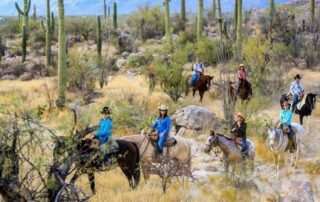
x=170, y=141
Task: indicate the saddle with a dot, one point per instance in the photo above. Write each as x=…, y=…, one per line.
x=170, y=141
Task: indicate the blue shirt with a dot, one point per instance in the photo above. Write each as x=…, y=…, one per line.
x=104, y=132
x=285, y=117
x=162, y=125
x=295, y=88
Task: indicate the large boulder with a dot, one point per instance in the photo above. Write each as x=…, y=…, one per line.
x=195, y=118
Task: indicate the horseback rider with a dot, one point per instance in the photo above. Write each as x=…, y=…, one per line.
x=242, y=77
x=199, y=70
x=162, y=127
x=103, y=137
x=285, y=121
x=296, y=89
x=239, y=129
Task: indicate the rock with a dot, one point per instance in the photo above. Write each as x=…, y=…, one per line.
x=26, y=77
x=121, y=62
x=195, y=117
x=125, y=54
x=8, y=77
x=296, y=190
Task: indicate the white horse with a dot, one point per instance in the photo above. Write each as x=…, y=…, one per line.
x=180, y=152
x=278, y=142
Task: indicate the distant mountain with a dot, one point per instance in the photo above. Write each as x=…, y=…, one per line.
x=94, y=7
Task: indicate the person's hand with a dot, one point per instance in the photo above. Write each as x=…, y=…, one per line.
x=233, y=129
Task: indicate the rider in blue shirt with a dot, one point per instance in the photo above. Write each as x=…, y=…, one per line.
x=162, y=127
x=285, y=121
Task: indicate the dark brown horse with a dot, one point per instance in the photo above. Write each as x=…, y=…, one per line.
x=245, y=91
x=202, y=85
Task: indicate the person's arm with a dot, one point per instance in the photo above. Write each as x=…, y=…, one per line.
x=243, y=129
x=105, y=129
x=168, y=124
x=289, y=117
x=155, y=124
x=292, y=87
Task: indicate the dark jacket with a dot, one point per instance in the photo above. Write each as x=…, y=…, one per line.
x=240, y=131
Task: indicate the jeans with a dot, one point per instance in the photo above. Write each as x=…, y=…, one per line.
x=295, y=100
x=161, y=141
x=244, y=144
x=194, y=79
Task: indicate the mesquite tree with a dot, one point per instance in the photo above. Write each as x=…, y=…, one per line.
x=200, y=20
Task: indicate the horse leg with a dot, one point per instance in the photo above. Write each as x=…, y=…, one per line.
x=276, y=163
x=308, y=124
x=226, y=168
x=146, y=176
x=301, y=119
x=75, y=177
x=297, y=156
x=92, y=183
x=201, y=93
x=193, y=91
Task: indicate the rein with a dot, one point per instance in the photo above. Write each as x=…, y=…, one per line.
x=145, y=137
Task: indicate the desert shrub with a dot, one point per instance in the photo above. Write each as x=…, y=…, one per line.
x=149, y=21
x=213, y=51
x=177, y=24
x=189, y=35
x=83, y=26
x=12, y=26
x=37, y=36
x=81, y=71
x=126, y=43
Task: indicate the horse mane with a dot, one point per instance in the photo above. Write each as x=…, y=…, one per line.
x=228, y=138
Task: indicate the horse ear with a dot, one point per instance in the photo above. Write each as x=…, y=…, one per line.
x=212, y=133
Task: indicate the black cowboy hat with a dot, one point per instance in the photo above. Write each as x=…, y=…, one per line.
x=105, y=110
x=298, y=76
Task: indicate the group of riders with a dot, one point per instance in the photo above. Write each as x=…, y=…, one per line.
x=162, y=124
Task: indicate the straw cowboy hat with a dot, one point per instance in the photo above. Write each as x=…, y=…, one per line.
x=239, y=114
x=241, y=65
x=163, y=108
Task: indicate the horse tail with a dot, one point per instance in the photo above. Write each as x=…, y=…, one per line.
x=136, y=174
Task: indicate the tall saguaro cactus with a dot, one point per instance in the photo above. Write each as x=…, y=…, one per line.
x=34, y=16
x=167, y=20
x=183, y=10
x=214, y=9
x=25, y=25
x=49, y=29
x=239, y=22
x=105, y=9
x=62, y=65
x=235, y=15
x=99, y=37
x=272, y=8
x=115, y=16
x=219, y=19
x=200, y=20
x=312, y=5
x=2, y=48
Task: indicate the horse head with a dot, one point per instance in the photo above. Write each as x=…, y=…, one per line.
x=311, y=100
x=212, y=141
x=272, y=132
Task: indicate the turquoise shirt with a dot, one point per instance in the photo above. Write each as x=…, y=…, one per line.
x=285, y=117
x=104, y=132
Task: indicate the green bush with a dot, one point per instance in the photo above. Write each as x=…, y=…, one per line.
x=214, y=51
x=148, y=21
x=12, y=26
x=83, y=26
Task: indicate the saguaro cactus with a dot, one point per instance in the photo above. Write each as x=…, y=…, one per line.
x=219, y=18
x=25, y=25
x=99, y=36
x=183, y=10
x=105, y=9
x=115, y=16
x=167, y=20
x=312, y=3
x=2, y=48
x=272, y=8
x=62, y=65
x=235, y=15
x=34, y=16
x=200, y=19
x=214, y=9
x=49, y=29
x=239, y=22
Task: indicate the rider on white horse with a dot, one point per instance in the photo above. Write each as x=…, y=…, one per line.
x=162, y=127
x=239, y=129
x=285, y=121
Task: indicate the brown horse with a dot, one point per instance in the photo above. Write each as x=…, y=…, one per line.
x=245, y=92
x=202, y=85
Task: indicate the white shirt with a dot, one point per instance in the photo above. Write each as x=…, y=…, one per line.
x=295, y=88
x=198, y=68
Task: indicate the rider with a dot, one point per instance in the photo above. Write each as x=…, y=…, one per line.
x=104, y=134
x=296, y=89
x=199, y=70
x=242, y=76
x=285, y=121
x=239, y=129
x=162, y=127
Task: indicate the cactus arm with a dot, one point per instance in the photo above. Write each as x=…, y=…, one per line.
x=28, y=7
x=43, y=27
x=18, y=9
x=52, y=25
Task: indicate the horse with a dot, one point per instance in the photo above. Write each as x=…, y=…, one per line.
x=303, y=109
x=180, y=152
x=245, y=91
x=202, y=85
x=278, y=142
x=87, y=161
x=232, y=154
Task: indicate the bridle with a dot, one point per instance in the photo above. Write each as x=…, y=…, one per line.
x=210, y=146
x=146, y=136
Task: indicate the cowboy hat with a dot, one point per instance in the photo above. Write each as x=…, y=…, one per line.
x=241, y=65
x=239, y=114
x=105, y=110
x=298, y=76
x=163, y=108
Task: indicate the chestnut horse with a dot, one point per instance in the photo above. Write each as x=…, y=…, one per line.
x=202, y=85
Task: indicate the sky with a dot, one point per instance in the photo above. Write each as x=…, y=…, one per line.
x=95, y=7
